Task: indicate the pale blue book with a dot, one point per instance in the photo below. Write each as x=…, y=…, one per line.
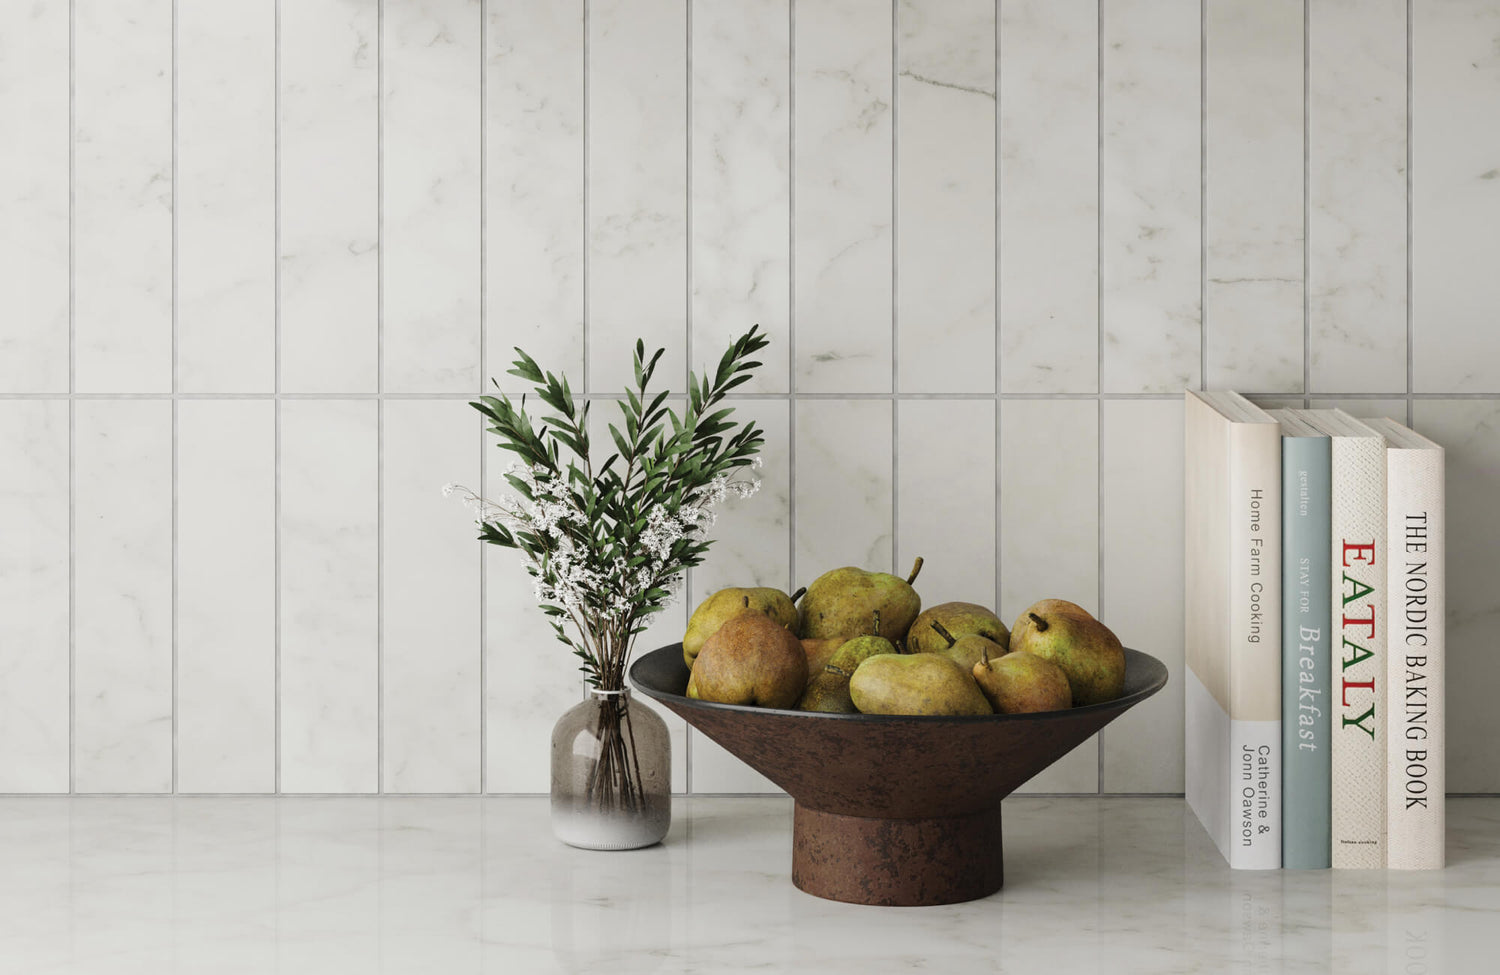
x=1306, y=642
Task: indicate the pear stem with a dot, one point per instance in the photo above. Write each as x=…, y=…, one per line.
x=984, y=654
x=876, y=630
x=1041, y=624
x=942, y=631
x=916, y=567
x=830, y=668
x=799, y=594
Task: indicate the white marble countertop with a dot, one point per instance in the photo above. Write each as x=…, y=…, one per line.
x=457, y=885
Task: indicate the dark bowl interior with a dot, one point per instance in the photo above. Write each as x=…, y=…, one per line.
x=886, y=766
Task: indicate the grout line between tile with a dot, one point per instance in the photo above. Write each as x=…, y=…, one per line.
x=791, y=295
x=1203, y=194
x=380, y=396
x=999, y=353
x=176, y=697
x=276, y=385
x=1099, y=533
x=1306, y=200
x=895, y=286
x=484, y=223
x=72, y=418
x=1410, y=364
x=691, y=575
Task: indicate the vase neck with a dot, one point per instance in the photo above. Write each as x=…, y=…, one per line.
x=591, y=692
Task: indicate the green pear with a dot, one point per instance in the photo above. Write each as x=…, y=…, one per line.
x=1023, y=683
x=839, y=603
x=961, y=620
x=718, y=608
x=1084, y=648
x=828, y=690
x=1023, y=626
x=967, y=650
x=751, y=659
x=915, y=683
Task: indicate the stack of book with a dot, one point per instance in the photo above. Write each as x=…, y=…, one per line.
x=1314, y=635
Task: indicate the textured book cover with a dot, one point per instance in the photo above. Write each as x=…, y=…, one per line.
x=1232, y=619
x=1416, y=543
x=1358, y=628
x=1306, y=609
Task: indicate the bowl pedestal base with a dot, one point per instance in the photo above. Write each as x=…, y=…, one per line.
x=897, y=862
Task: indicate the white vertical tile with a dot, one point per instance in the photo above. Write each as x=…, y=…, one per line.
x=226, y=596
x=1150, y=207
x=946, y=452
x=534, y=232
x=34, y=596
x=1455, y=196
x=34, y=215
x=1254, y=207
x=740, y=129
x=1356, y=185
x=431, y=600
x=122, y=195
x=226, y=196
x=945, y=193
x=122, y=566
x=330, y=197
x=842, y=486
x=1141, y=582
x=1049, y=196
x=1049, y=532
x=329, y=572
x=750, y=549
x=637, y=185
x=1469, y=431
x=843, y=174
x=432, y=135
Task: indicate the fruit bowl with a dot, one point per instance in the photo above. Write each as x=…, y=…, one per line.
x=889, y=809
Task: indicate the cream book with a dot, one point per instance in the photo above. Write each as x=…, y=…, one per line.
x=1232, y=625
x=1415, y=605
x=1358, y=627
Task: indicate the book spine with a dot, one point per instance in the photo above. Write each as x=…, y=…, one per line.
x=1415, y=783
x=1358, y=621
x=1254, y=647
x=1305, y=671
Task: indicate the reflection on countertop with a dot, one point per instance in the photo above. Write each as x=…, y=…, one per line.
x=455, y=885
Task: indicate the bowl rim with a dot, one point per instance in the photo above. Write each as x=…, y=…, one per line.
x=1154, y=683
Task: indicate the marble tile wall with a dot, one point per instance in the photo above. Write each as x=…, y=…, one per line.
x=256, y=256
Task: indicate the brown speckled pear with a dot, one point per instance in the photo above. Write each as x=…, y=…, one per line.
x=720, y=607
x=839, y=603
x=828, y=690
x=961, y=620
x=752, y=659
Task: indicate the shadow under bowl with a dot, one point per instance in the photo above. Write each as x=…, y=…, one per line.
x=894, y=810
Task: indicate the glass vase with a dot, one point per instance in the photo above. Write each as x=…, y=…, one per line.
x=611, y=773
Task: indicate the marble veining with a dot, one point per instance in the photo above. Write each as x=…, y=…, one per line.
x=1356, y=207
x=34, y=221
x=740, y=129
x=469, y=885
x=329, y=157
x=122, y=568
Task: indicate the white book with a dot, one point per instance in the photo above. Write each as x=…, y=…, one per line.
x=1358, y=627
x=1232, y=610
x=1415, y=745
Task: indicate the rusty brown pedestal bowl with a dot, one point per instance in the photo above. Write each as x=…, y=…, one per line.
x=893, y=810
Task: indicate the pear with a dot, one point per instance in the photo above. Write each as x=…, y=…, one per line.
x=1023, y=683
x=839, y=603
x=967, y=650
x=751, y=659
x=961, y=620
x=1084, y=648
x=828, y=689
x=718, y=608
x=915, y=683
x=1041, y=607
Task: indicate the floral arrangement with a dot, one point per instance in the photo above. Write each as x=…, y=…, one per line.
x=608, y=543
